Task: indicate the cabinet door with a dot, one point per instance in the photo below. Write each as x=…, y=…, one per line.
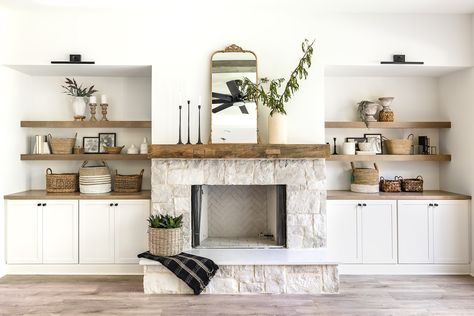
x=343, y=233
x=415, y=232
x=60, y=231
x=130, y=229
x=379, y=232
x=96, y=231
x=23, y=232
x=451, y=232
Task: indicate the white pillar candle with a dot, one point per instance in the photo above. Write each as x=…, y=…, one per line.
x=92, y=99
x=103, y=99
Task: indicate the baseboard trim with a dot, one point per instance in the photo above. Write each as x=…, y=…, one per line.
x=75, y=269
x=407, y=269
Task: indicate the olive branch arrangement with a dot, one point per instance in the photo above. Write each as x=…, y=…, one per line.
x=71, y=88
x=268, y=91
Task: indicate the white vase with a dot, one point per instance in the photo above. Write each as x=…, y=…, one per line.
x=79, y=107
x=277, y=129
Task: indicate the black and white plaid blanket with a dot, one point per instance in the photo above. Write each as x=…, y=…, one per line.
x=195, y=271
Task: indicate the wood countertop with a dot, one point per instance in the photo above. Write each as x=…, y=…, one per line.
x=426, y=195
x=43, y=195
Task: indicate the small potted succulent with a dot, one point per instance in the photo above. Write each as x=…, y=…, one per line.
x=165, y=237
x=79, y=95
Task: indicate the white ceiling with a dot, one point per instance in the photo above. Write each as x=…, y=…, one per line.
x=319, y=6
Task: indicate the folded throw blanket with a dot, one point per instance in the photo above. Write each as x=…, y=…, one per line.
x=195, y=271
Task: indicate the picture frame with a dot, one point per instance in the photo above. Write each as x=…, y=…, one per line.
x=90, y=145
x=376, y=140
x=107, y=139
x=356, y=140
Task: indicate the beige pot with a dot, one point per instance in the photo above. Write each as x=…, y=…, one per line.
x=277, y=129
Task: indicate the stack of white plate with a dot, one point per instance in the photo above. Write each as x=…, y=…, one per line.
x=95, y=184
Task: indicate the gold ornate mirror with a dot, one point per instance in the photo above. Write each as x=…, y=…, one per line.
x=233, y=117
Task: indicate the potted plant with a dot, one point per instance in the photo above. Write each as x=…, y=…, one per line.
x=79, y=95
x=273, y=96
x=165, y=235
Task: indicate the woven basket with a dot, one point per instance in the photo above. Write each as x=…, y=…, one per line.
x=113, y=150
x=61, y=182
x=386, y=116
x=128, y=183
x=365, y=176
x=61, y=145
x=94, y=170
x=391, y=185
x=399, y=146
x=165, y=241
x=413, y=185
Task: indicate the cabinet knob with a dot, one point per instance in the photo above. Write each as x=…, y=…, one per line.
x=430, y=205
x=116, y=204
x=359, y=205
x=39, y=204
x=111, y=204
x=44, y=204
x=436, y=204
x=364, y=204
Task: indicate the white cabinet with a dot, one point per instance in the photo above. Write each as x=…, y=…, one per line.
x=362, y=231
x=60, y=231
x=434, y=232
x=23, y=232
x=112, y=231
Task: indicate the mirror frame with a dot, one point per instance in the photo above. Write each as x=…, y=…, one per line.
x=233, y=48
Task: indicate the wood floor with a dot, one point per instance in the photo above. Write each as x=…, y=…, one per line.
x=360, y=295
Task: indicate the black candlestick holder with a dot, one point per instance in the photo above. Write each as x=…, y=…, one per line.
x=334, y=152
x=189, y=134
x=199, y=142
x=179, y=140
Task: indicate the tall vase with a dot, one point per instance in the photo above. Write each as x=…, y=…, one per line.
x=79, y=107
x=277, y=129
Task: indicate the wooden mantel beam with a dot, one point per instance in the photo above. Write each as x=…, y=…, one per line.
x=240, y=151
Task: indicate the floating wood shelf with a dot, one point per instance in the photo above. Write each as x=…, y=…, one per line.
x=86, y=124
x=84, y=157
x=389, y=158
x=240, y=151
x=393, y=125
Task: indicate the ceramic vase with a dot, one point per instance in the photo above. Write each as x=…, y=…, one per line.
x=386, y=114
x=79, y=107
x=277, y=129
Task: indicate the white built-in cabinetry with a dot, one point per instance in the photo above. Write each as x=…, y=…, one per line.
x=75, y=232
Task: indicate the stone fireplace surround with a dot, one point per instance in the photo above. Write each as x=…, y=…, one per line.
x=306, y=229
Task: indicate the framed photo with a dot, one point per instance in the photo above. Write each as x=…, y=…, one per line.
x=376, y=141
x=90, y=145
x=107, y=139
x=356, y=140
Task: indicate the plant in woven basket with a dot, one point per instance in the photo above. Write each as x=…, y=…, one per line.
x=165, y=221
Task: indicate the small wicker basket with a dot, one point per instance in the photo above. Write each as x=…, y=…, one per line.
x=391, y=185
x=94, y=170
x=399, y=146
x=366, y=176
x=128, y=183
x=61, y=145
x=61, y=182
x=165, y=241
x=413, y=185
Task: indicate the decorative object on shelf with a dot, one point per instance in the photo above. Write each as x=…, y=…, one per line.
x=107, y=140
x=376, y=140
x=356, y=140
x=41, y=145
x=334, y=148
x=413, y=185
x=199, y=142
x=37, y=146
x=128, y=183
x=189, y=124
x=61, y=182
x=61, y=145
x=366, y=147
x=271, y=97
x=73, y=59
x=132, y=150
x=180, y=142
x=144, y=146
x=93, y=108
x=165, y=237
x=365, y=180
x=113, y=150
x=424, y=145
x=433, y=150
x=386, y=114
x=367, y=110
x=79, y=95
x=400, y=59
x=104, y=105
x=391, y=185
x=78, y=150
x=348, y=148
x=95, y=179
x=90, y=145
x=399, y=146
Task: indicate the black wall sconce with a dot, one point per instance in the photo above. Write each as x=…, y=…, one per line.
x=400, y=59
x=73, y=59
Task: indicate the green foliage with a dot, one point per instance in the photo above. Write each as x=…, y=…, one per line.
x=268, y=91
x=165, y=221
x=71, y=88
